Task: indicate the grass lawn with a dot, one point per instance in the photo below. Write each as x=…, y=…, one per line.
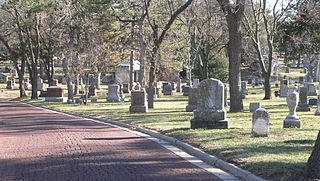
x=280, y=156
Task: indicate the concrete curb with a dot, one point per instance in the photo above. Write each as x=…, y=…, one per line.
x=207, y=158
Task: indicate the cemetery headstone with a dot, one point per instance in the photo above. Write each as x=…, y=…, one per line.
x=312, y=91
x=114, y=94
x=313, y=102
x=287, y=70
x=167, y=90
x=13, y=82
x=192, y=99
x=9, y=84
x=244, y=90
x=195, y=83
x=54, y=91
x=317, y=113
x=125, y=88
x=64, y=80
x=40, y=85
x=254, y=106
x=138, y=101
x=210, y=111
x=54, y=94
x=301, y=80
x=292, y=120
x=3, y=78
x=260, y=123
x=55, y=82
x=92, y=91
x=284, y=88
x=93, y=99
x=185, y=90
x=137, y=86
x=303, y=99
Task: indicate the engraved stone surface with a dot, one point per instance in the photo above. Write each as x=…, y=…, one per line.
x=254, y=106
x=284, y=88
x=292, y=120
x=114, y=94
x=195, y=83
x=9, y=84
x=54, y=91
x=125, y=88
x=138, y=101
x=185, y=90
x=303, y=99
x=167, y=89
x=317, y=113
x=192, y=99
x=40, y=85
x=55, y=82
x=260, y=122
x=210, y=111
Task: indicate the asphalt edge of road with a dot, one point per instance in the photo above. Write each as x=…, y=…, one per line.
x=207, y=158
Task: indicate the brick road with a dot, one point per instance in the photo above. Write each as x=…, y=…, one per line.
x=41, y=145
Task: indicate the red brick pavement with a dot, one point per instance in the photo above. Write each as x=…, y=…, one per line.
x=41, y=145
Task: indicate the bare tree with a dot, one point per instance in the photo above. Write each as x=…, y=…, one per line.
x=234, y=13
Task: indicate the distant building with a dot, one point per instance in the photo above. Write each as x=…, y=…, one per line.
x=123, y=71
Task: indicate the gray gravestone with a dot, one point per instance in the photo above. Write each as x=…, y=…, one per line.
x=195, y=83
x=210, y=111
x=138, y=101
x=317, y=113
x=9, y=84
x=40, y=85
x=185, y=90
x=244, y=90
x=303, y=99
x=55, y=82
x=312, y=91
x=114, y=94
x=292, y=120
x=92, y=91
x=287, y=70
x=125, y=88
x=253, y=106
x=284, y=88
x=260, y=123
x=192, y=99
x=167, y=90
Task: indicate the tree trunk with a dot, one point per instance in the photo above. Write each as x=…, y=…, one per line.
x=76, y=84
x=143, y=48
x=98, y=80
x=34, y=82
x=267, y=88
x=234, y=52
x=312, y=170
x=21, y=86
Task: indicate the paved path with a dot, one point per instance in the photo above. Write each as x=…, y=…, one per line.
x=37, y=144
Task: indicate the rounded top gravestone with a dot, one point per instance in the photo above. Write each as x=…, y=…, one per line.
x=211, y=95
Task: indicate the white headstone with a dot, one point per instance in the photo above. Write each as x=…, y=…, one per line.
x=292, y=120
x=260, y=122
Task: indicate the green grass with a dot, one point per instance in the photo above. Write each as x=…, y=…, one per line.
x=277, y=157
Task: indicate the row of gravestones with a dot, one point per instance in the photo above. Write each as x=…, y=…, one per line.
x=210, y=111
x=284, y=88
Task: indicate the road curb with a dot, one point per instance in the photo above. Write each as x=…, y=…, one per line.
x=209, y=159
